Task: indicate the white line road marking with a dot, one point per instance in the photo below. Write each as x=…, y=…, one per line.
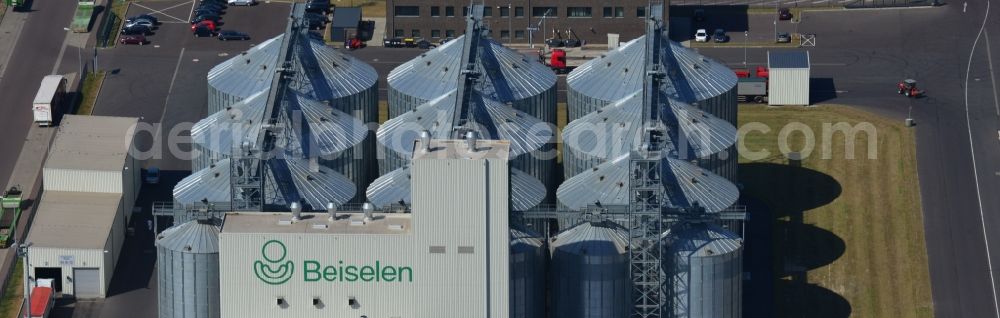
x=160, y=11
x=975, y=169
x=62, y=50
x=192, y=11
x=159, y=128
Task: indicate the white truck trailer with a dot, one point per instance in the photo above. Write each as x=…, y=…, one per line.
x=49, y=99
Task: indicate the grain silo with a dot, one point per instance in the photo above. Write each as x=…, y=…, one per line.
x=323, y=74
x=491, y=118
x=188, y=270
x=590, y=272
x=691, y=78
x=527, y=274
x=505, y=75
x=704, y=266
x=287, y=180
x=394, y=188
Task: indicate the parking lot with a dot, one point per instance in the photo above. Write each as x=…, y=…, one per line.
x=164, y=81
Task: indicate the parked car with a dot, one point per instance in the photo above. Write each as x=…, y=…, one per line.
x=318, y=6
x=204, y=24
x=232, y=35
x=152, y=175
x=132, y=39
x=206, y=11
x=445, y=40
x=202, y=31
x=212, y=5
x=720, y=36
x=784, y=37
x=784, y=14
x=207, y=17
x=425, y=45
x=149, y=17
x=392, y=42
x=137, y=29
x=699, y=15
x=701, y=35
x=143, y=22
x=242, y=2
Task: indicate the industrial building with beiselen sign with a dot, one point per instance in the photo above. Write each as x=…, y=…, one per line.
x=90, y=182
x=449, y=258
x=788, y=80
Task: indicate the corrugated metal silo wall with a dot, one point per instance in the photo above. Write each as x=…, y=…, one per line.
x=590, y=286
x=219, y=100
x=579, y=105
x=726, y=107
x=356, y=163
x=706, y=286
x=540, y=163
x=204, y=157
x=188, y=284
x=399, y=103
x=527, y=281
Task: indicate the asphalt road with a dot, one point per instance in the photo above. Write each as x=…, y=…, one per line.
x=36, y=52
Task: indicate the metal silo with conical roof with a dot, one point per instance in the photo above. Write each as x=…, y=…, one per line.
x=704, y=266
x=617, y=76
x=332, y=98
x=527, y=274
x=188, y=270
x=467, y=89
x=506, y=76
x=590, y=272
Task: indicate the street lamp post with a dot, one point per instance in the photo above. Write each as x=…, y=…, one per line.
x=22, y=250
x=746, y=37
x=510, y=23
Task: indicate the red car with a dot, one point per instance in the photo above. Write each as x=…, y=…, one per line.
x=132, y=39
x=208, y=24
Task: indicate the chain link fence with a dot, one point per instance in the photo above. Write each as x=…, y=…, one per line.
x=106, y=31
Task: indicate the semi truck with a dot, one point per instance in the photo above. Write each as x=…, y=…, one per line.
x=42, y=299
x=49, y=99
x=752, y=86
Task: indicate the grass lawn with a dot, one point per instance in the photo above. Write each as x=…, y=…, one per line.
x=13, y=292
x=847, y=233
x=91, y=87
x=118, y=7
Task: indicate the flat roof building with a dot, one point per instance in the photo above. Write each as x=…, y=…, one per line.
x=90, y=181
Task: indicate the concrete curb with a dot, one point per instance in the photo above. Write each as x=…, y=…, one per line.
x=100, y=88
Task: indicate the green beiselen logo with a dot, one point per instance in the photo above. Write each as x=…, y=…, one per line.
x=274, y=270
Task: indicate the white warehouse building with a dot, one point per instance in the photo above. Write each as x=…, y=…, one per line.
x=450, y=258
x=90, y=182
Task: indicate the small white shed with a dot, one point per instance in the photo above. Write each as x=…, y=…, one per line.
x=788, y=82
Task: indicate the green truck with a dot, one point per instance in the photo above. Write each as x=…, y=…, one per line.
x=9, y=214
x=81, y=19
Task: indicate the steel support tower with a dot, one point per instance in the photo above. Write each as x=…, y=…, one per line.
x=249, y=161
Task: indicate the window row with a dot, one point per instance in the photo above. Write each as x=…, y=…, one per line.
x=538, y=12
x=415, y=33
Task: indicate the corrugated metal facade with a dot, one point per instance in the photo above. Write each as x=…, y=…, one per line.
x=704, y=263
x=527, y=274
x=188, y=271
x=478, y=220
x=788, y=87
x=788, y=83
x=48, y=256
x=590, y=272
x=112, y=140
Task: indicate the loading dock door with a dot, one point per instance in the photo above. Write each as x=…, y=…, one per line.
x=86, y=283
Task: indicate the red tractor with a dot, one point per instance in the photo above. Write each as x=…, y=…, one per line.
x=908, y=88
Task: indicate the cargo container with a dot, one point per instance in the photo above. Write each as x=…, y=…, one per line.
x=49, y=99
